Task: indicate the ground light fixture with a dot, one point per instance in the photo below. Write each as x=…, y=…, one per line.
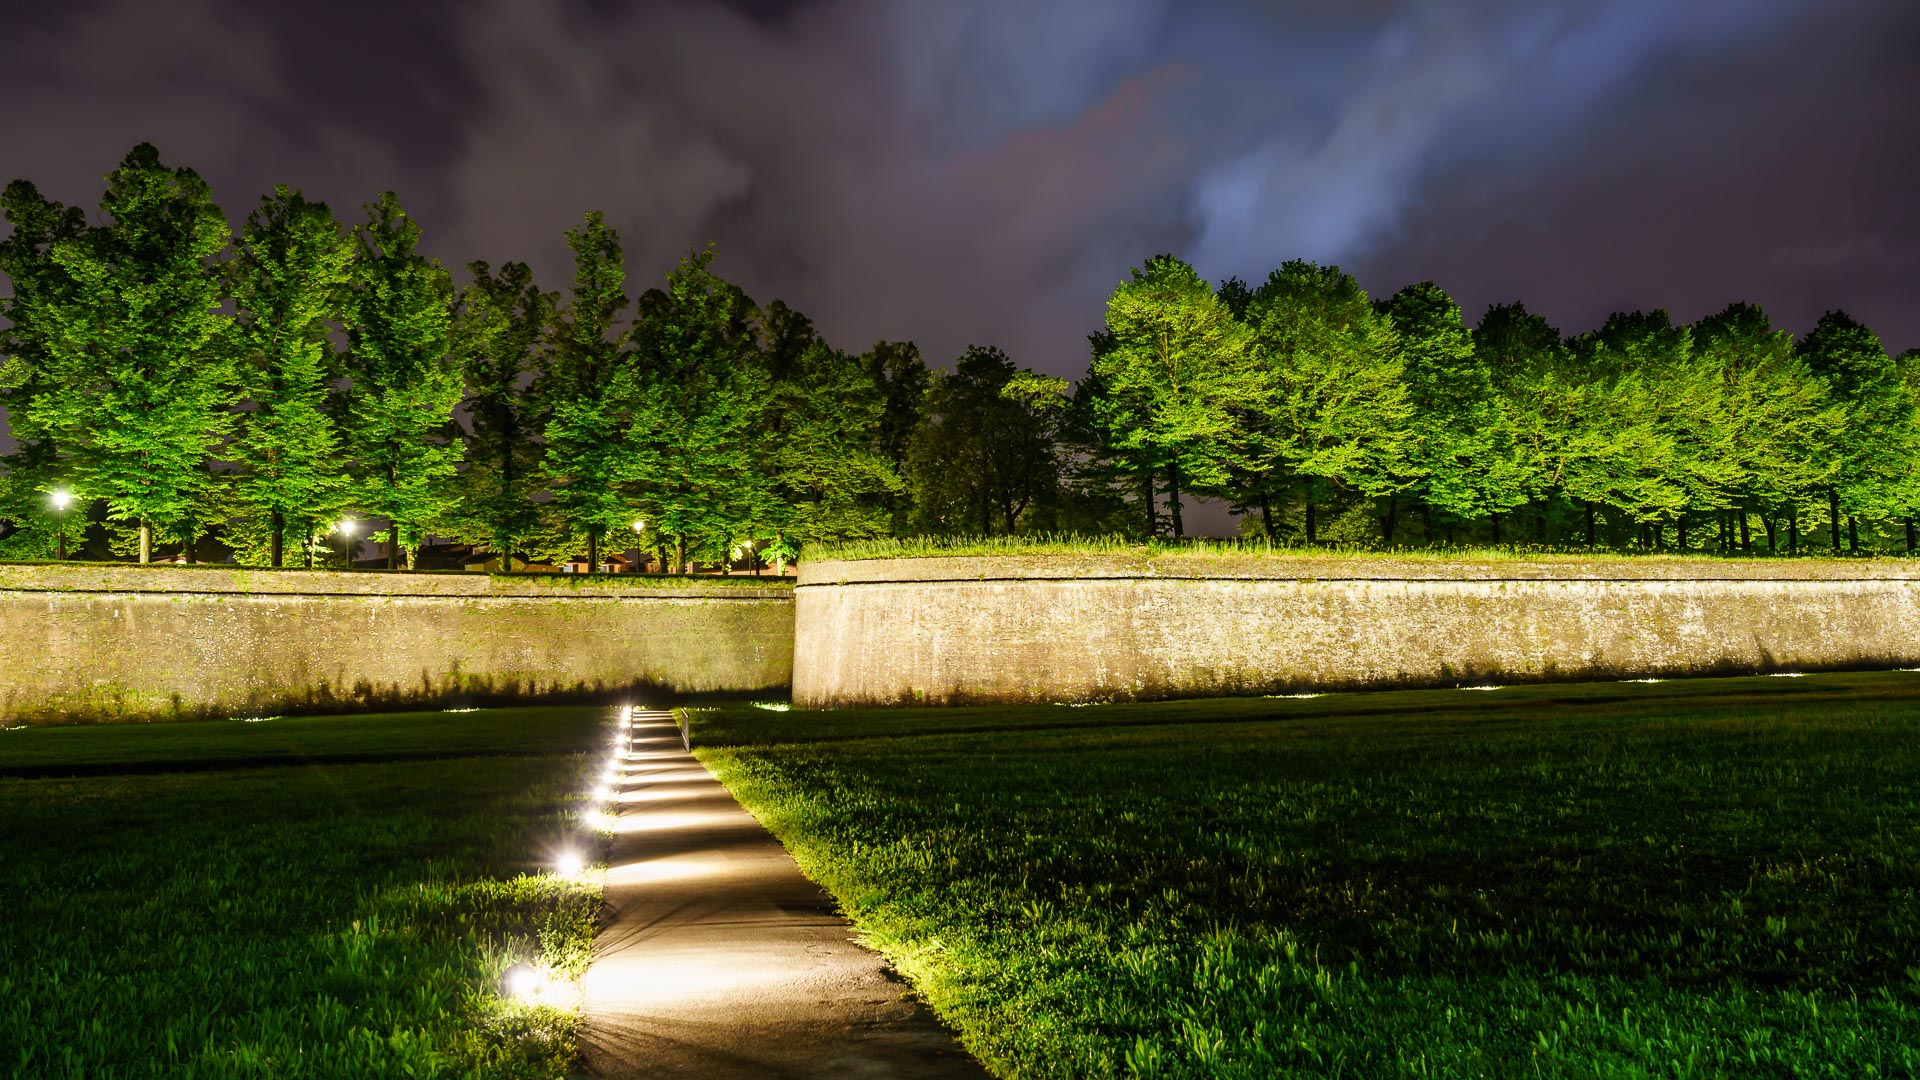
x=569, y=864
x=521, y=982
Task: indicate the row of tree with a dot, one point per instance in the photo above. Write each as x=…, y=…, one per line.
x=181, y=381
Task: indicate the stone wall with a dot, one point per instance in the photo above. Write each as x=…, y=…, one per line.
x=121, y=642
x=1095, y=628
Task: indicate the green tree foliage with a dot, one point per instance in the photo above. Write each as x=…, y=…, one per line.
x=288, y=278
x=585, y=389
x=33, y=472
x=1878, y=433
x=138, y=364
x=1780, y=427
x=1325, y=394
x=501, y=322
x=1171, y=375
x=986, y=452
x=700, y=391
x=822, y=441
x=1459, y=458
x=405, y=381
x=896, y=368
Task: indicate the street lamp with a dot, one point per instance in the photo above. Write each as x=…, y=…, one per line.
x=346, y=542
x=60, y=501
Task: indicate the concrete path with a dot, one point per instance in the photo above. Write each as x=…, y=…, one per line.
x=720, y=959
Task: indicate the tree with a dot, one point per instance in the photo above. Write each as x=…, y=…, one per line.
x=404, y=380
x=288, y=279
x=139, y=366
x=1326, y=396
x=1782, y=427
x=501, y=321
x=699, y=389
x=36, y=468
x=822, y=423
x=986, y=451
x=1171, y=373
x=584, y=388
x=1876, y=435
x=1459, y=456
x=896, y=368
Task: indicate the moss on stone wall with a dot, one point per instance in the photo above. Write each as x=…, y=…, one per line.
x=83, y=643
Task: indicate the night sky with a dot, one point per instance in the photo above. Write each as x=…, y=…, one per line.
x=986, y=171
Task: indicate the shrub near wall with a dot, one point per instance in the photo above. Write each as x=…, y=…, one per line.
x=119, y=642
x=1099, y=627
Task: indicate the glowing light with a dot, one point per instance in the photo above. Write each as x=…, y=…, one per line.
x=1481, y=688
x=1643, y=680
x=603, y=792
x=459, y=710
x=672, y=868
x=639, y=526
x=599, y=820
x=1786, y=674
x=772, y=706
x=256, y=719
x=1302, y=697
x=569, y=864
x=658, y=821
x=521, y=982
x=346, y=528
x=60, y=499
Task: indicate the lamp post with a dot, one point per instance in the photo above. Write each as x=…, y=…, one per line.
x=639, y=534
x=60, y=500
x=346, y=542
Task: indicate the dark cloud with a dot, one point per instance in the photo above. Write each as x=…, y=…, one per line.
x=986, y=171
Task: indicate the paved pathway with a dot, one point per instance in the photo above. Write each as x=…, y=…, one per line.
x=722, y=960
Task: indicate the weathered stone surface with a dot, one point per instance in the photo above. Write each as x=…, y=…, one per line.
x=1093, y=628
x=80, y=643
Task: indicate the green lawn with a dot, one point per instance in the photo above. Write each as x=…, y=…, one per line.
x=321, y=896
x=1707, y=878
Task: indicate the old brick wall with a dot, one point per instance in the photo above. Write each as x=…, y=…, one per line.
x=1093, y=628
x=126, y=642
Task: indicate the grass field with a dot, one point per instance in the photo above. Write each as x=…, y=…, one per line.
x=320, y=896
x=1708, y=878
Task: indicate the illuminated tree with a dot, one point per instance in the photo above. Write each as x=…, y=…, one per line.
x=288, y=279
x=405, y=382
x=138, y=360
x=36, y=468
x=501, y=321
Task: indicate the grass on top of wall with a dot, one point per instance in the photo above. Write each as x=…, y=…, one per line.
x=927, y=547
x=605, y=581
x=1524, y=882
x=271, y=910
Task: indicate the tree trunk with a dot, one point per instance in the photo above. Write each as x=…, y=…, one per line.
x=1910, y=537
x=593, y=550
x=1495, y=518
x=1313, y=532
x=1680, y=526
x=1833, y=514
x=1589, y=506
x=279, y=542
x=1266, y=516
x=146, y=540
x=1153, y=519
x=1766, y=520
x=1793, y=530
x=1746, y=534
x=680, y=552
x=1853, y=535
x=1173, y=501
x=393, y=545
x=1659, y=528
x=187, y=547
x=1426, y=520
x=1391, y=520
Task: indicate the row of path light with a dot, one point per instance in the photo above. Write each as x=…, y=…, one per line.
x=530, y=983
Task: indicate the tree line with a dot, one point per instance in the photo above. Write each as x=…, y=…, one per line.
x=180, y=380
